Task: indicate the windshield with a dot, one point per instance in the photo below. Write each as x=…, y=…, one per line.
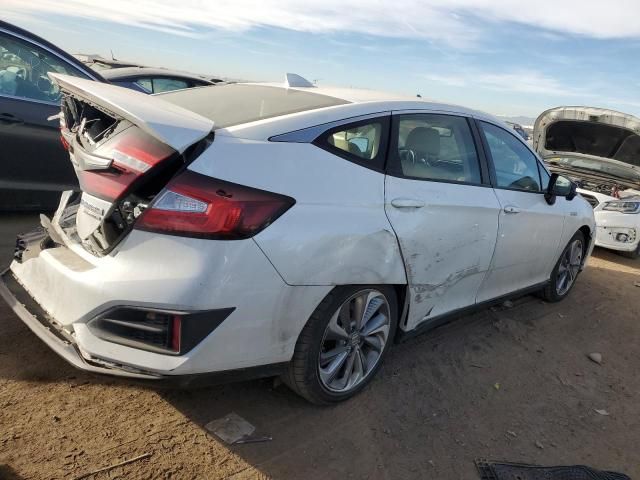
x=596, y=166
x=234, y=104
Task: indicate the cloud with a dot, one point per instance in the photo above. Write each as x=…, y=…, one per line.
x=520, y=81
x=454, y=23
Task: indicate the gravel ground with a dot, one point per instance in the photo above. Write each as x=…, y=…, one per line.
x=510, y=384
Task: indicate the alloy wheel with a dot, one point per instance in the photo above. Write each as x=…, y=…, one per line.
x=354, y=340
x=569, y=267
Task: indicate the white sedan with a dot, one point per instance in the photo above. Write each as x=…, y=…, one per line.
x=263, y=229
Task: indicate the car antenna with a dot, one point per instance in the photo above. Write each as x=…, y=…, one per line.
x=113, y=56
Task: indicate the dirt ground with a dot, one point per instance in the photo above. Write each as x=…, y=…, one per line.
x=509, y=384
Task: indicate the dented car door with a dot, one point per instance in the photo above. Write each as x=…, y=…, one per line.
x=444, y=212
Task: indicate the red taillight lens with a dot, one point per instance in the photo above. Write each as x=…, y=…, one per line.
x=200, y=206
x=133, y=153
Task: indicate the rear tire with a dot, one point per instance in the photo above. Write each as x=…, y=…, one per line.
x=343, y=344
x=564, y=274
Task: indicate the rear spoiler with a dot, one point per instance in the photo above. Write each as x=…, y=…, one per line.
x=173, y=125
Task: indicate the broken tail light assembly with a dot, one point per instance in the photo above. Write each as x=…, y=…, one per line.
x=127, y=157
x=159, y=331
x=200, y=206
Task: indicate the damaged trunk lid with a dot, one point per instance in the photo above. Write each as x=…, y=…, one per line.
x=124, y=146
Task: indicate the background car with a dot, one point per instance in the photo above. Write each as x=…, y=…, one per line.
x=285, y=229
x=35, y=165
x=518, y=128
x=155, y=80
x=100, y=63
x=599, y=149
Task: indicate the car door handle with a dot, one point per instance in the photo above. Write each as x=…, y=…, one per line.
x=407, y=203
x=7, y=118
x=511, y=209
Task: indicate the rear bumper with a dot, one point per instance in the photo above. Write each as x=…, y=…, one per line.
x=65, y=346
x=58, y=291
x=39, y=323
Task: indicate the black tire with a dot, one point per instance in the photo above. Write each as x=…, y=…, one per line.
x=303, y=375
x=550, y=292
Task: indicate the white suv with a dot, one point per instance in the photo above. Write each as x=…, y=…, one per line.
x=262, y=229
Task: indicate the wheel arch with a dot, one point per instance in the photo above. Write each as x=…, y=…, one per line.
x=589, y=238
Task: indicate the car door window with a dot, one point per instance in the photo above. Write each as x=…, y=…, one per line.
x=24, y=67
x=515, y=165
x=434, y=147
x=166, y=84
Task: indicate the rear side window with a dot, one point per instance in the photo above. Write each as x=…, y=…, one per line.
x=363, y=142
x=515, y=166
x=434, y=147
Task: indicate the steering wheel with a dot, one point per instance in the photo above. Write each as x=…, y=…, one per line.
x=407, y=155
x=414, y=156
x=20, y=71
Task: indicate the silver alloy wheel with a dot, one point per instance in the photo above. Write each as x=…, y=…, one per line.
x=354, y=340
x=569, y=267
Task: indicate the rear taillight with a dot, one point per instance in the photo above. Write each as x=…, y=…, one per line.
x=132, y=154
x=200, y=206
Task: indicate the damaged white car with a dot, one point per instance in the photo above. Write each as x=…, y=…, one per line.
x=599, y=150
x=263, y=229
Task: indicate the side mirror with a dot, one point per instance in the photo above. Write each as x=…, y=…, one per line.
x=560, y=186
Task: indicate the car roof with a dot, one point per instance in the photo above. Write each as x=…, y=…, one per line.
x=352, y=104
x=392, y=101
x=27, y=35
x=131, y=72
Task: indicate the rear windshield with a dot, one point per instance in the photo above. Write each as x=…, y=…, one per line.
x=234, y=104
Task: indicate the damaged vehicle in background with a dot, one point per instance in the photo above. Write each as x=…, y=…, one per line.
x=263, y=229
x=599, y=150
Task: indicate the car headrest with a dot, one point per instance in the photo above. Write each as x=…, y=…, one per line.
x=424, y=139
x=8, y=82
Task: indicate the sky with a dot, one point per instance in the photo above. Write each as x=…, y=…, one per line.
x=504, y=57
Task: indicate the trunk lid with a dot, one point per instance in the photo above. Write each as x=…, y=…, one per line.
x=175, y=126
x=124, y=146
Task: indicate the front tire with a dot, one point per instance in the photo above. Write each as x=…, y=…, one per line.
x=344, y=343
x=567, y=269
